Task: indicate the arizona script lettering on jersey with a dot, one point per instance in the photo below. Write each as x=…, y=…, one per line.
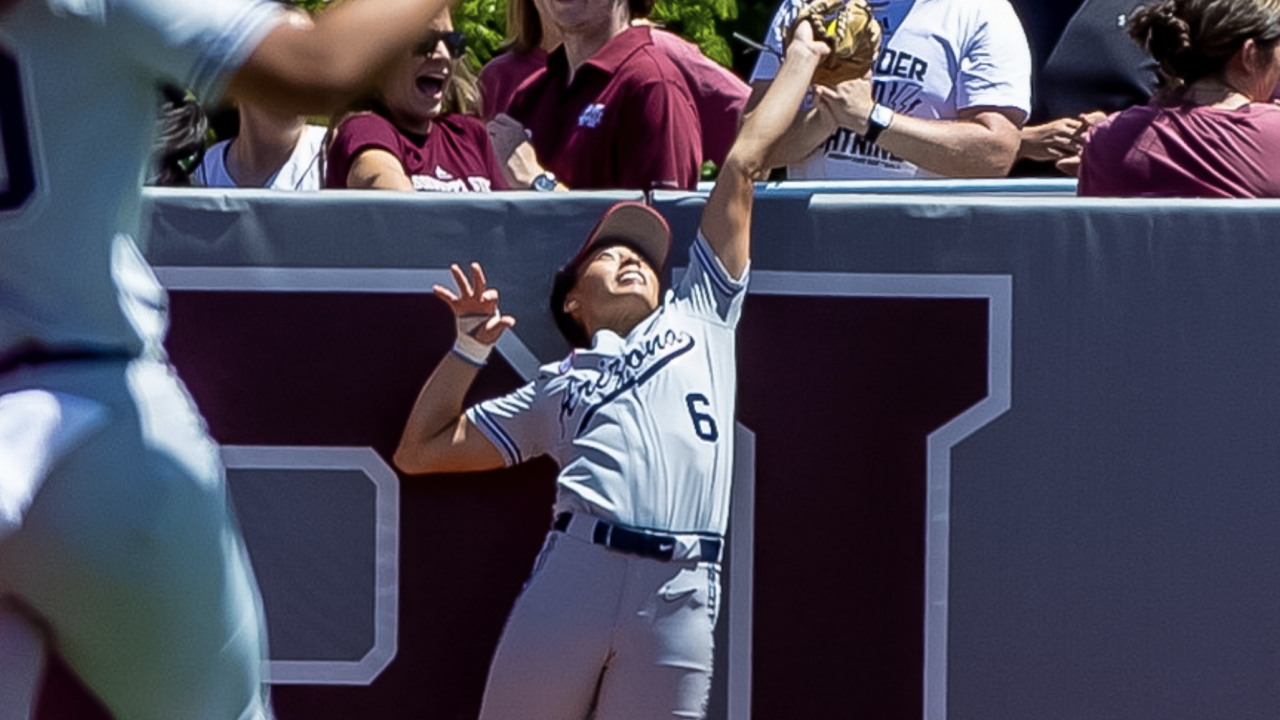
x=615, y=375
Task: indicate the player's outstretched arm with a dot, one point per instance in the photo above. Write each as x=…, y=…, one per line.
x=726, y=219
x=809, y=130
x=438, y=437
x=316, y=68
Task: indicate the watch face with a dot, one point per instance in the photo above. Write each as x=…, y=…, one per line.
x=881, y=115
x=544, y=182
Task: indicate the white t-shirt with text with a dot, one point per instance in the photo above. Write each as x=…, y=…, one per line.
x=938, y=57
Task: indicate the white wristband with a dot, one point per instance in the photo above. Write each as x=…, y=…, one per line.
x=467, y=346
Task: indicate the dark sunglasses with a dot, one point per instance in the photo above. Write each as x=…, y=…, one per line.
x=454, y=40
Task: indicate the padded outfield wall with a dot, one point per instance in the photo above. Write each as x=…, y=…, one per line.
x=1001, y=455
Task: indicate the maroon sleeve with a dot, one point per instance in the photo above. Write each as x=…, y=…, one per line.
x=718, y=94
x=355, y=135
x=488, y=158
x=503, y=75
x=524, y=100
x=664, y=146
x=492, y=101
x=1098, y=160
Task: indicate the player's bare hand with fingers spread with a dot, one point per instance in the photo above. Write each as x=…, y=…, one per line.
x=437, y=436
x=475, y=305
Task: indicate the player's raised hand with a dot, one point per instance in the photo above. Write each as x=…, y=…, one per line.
x=475, y=305
x=804, y=40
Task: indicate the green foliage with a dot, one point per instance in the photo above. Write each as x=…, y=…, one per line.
x=752, y=21
x=710, y=24
x=695, y=21
x=311, y=6
x=485, y=23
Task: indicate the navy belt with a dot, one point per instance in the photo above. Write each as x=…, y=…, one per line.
x=643, y=543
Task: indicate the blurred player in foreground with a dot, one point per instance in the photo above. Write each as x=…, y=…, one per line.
x=117, y=545
x=617, y=617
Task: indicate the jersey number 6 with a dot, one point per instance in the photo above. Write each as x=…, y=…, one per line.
x=704, y=426
x=17, y=171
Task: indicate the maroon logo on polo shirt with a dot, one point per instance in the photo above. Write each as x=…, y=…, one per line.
x=591, y=115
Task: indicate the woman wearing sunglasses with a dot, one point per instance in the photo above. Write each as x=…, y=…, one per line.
x=418, y=131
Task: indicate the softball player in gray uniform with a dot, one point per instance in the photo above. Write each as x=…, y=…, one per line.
x=117, y=546
x=616, y=619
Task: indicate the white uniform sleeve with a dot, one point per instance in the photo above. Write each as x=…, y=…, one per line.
x=767, y=62
x=521, y=424
x=198, y=43
x=707, y=290
x=996, y=68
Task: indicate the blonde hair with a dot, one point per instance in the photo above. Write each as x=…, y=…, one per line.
x=524, y=27
x=524, y=24
x=462, y=93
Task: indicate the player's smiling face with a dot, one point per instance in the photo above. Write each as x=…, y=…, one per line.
x=413, y=91
x=616, y=289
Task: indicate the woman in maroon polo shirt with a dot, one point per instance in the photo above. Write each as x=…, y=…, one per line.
x=529, y=41
x=418, y=131
x=718, y=93
x=610, y=110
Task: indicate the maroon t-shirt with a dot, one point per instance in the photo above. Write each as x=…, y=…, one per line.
x=456, y=156
x=626, y=121
x=1185, y=151
x=500, y=77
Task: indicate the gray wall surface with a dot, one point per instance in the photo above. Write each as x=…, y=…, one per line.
x=1110, y=539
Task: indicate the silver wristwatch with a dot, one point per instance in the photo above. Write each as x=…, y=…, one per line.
x=545, y=182
x=879, y=119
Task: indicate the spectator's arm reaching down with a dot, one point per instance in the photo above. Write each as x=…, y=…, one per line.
x=982, y=142
x=315, y=68
x=1051, y=141
x=726, y=219
x=1057, y=140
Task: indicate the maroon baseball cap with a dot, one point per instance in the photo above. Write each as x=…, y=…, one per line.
x=634, y=223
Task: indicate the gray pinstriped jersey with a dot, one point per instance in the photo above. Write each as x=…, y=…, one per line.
x=70, y=274
x=641, y=426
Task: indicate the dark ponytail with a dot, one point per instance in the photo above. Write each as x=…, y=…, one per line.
x=1195, y=39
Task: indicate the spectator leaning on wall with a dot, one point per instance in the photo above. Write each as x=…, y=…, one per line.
x=948, y=94
x=718, y=94
x=1212, y=129
x=1094, y=69
x=417, y=131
